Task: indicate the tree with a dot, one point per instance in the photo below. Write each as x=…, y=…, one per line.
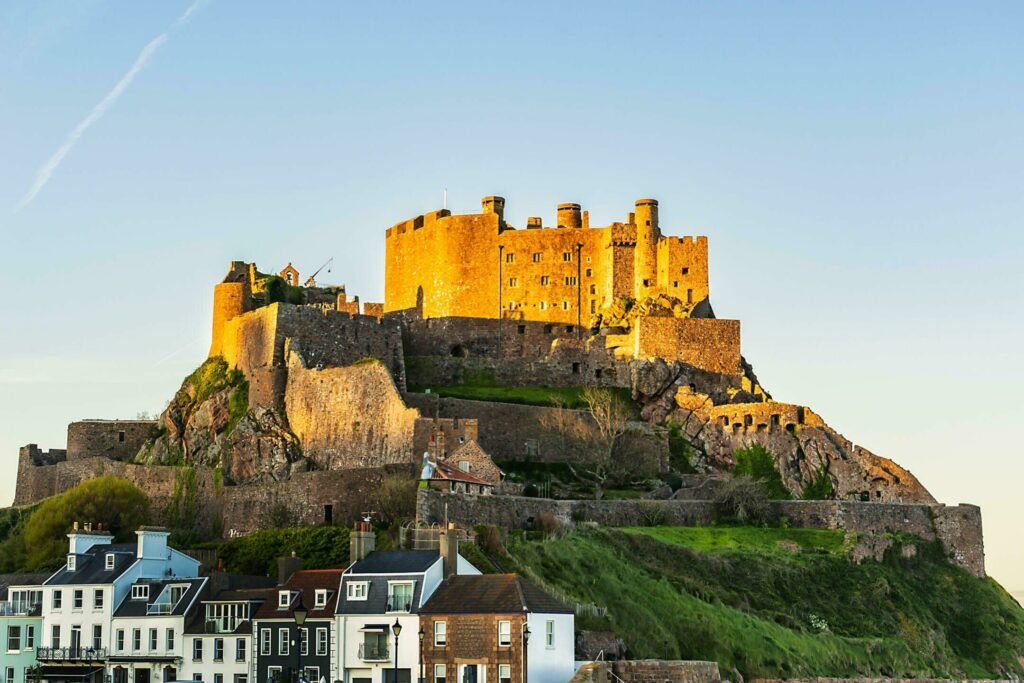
x=566, y=430
x=742, y=498
x=611, y=416
x=758, y=463
x=114, y=502
x=395, y=499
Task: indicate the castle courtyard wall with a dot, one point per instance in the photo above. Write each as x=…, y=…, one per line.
x=957, y=528
x=710, y=344
x=114, y=439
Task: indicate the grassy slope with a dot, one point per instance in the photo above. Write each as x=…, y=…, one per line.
x=738, y=596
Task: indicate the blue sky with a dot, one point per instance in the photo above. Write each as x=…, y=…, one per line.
x=856, y=166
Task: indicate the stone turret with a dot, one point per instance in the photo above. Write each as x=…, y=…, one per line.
x=231, y=298
x=495, y=205
x=569, y=216
x=645, y=256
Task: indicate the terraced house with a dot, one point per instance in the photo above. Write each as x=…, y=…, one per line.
x=20, y=625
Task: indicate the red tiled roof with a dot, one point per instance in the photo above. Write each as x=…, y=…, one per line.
x=443, y=470
x=306, y=582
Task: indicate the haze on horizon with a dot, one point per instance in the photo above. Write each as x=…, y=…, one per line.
x=857, y=169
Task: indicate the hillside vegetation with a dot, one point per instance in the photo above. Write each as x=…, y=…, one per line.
x=775, y=602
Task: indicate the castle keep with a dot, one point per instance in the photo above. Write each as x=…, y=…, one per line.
x=310, y=398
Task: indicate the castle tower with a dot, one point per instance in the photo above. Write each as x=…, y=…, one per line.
x=645, y=256
x=569, y=216
x=231, y=298
x=494, y=205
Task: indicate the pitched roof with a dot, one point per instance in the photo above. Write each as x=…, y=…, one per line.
x=130, y=607
x=305, y=583
x=491, y=594
x=444, y=470
x=395, y=562
x=91, y=566
x=469, y=449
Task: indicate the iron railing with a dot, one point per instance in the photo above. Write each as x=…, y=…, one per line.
x=71, y=654
x=374, y=652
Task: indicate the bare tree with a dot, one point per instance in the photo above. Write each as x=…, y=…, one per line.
x=564, y=430
x=611, y=416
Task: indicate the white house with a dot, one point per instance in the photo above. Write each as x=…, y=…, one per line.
x=79, y=599
x=218, y=645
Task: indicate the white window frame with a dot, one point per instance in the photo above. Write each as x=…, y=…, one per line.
x=218, y=644
x=9, y=674
x=72, y=561
x=440, y=633
x=98, y=598
x=78, y=599
x=240, y=649
x=97, y=636
x=266, y=642
x=108, y=562
x=119, y=640
x=154, y=639
x=440, y=673
x=30, y=636
x=140, y=591
x=304, y=641
x=169, y=639
x=321, y=642
x=283, y=642
x=320, y=597
x=13, y=639
x=505, y=669
x=57, y=600
x=284, y=598
x=136, y=640
x=504, y=633
x=549, y=634
x=357, y=590
x=197, y=649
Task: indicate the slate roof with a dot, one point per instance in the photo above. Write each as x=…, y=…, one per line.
x=377, y=569
x=305, y=582
x=446, y=471
x=491, y=594
x=90, y=566
x=196, y=625
x=19, y=579
x=139, y=608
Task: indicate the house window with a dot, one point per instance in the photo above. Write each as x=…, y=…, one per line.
x=282, y=641
x=197, y=649
x=274, y=674
x=400, y=598
x=265, y=642
x=284, y=598
x=169, y=640
x=71, y=563
x=567, y=256
x=593, y=289
x=549, y=634
x=303, y=641
x=320, y=599
x=140, y=592
x=55, y=636
x=545, y=279
x=440, y=633
x=30, y=637
x=97, y=636
x=136, y=639
x=13, y=638
x=513, y=282
x=464, y=465
x=510, y=258
x=241, y=678
x=79, y=598
x=97, y=599
x=504, y=673
x=109, y=561
x=120, y=640
x=197, y=677
x=9, y=674
x=57, y=601
x=218, y=678
x=218, y=649
x=439, y=672
x=357, y=590
x=504, y=633
x=239, y=649
x=321, y=642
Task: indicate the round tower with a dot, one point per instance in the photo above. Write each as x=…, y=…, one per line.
x=231, y=298
x=569, y=216
x=645, y=255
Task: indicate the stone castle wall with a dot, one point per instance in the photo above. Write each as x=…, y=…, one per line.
x=114, y=439
x=706, y=343
x=479, y=266
x=770, y=416
x=958, y=528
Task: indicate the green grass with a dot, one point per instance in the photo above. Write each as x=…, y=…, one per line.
x=623, y=494
x=736, y=596
x=532, y=396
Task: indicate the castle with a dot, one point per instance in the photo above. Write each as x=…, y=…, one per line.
x=334, y=394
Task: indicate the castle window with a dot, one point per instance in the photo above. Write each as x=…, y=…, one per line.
x=548, y=329
x=513, y=282
x=590, y=272
x=510, y=258
x=675, y=283
x=593, y=305
x=686, y=271
x=597, y=373
x=545, y=280
x=593, y=289
x=570, y=280
x=689, y=296
x=522, y=329
x=543, y=305
x=120, y=437
x=511, y=305
x=459, y=351
x=536, y=257
x=588, y=259
x=647, y=222
x=575, y=368
x=647, y=283
x=565, y=305
x=568, y=328
x=567, y=256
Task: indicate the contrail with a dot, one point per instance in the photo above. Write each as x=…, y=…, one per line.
x=46, y=170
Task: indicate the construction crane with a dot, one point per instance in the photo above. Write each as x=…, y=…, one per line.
x=311, y=282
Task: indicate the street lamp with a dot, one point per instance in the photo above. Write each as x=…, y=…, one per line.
x=526, y=640
x=422, y=665
x=300, y=613
x=396, y=628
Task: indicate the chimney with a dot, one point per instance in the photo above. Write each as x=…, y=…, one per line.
x=533, y=223
x=286, y=567
x=362, y=541
x=449, y=547
x=152, y=543
x=81, y=540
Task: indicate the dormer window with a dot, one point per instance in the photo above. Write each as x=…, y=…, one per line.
x=109, y=561
x=320, y=597
x=71, y=563
x=140, y=592
x=284, y=598
x=357, y=590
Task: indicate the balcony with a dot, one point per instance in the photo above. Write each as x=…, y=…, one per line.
x=222, y=625
x=19, y=608
x=71, y=654
x=399, y=603
x=374, y=652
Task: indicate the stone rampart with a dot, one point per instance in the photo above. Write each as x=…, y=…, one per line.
x=707, y=343
x=114, y=439
x=769, y=416
x=958, y=528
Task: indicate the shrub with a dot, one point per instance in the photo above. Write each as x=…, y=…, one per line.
x=547, y=524
x=758, y=463
x=821, y=487
x=116, y=503
x=488, y=537
x=395, y=499
x=531, y=491
x=654, y=513
x=742, y=498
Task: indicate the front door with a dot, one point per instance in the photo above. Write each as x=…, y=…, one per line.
x=142, y=676
x=470, y=674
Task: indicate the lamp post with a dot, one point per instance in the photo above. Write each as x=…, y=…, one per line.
x=526, y=641
x=396, y=628
x=422, y=665
x=300, y=613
